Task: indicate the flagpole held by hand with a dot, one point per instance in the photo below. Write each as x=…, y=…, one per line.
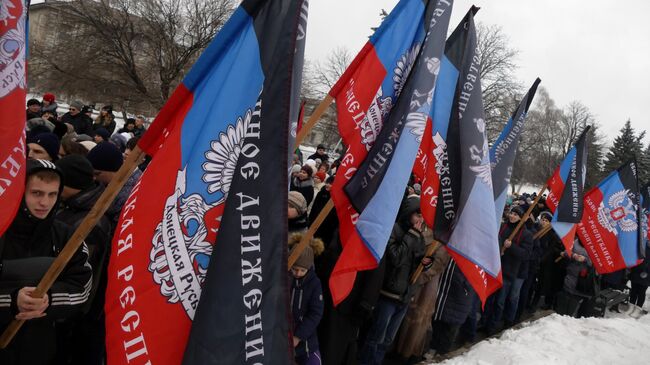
x=525, y=217
x=77, y=238
x=430, y=250
x=306, y=238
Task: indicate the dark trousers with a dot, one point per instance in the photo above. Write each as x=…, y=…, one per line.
x=637, y=294
x=444, y=336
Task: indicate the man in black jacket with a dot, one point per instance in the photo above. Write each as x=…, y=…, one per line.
x=404, y=252
x=27, y=249
x=84, y=342
x=515, y=253
x=81, y=122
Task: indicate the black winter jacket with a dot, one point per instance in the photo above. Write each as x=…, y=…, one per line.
x=82, y=123
x=517, y=253
x=307, y=311
x=403, y=254
x=455, y=296
x=28, y=248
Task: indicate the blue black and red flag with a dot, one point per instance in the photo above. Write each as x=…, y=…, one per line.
x=198, y=268
x=365, y=96
x=504, y=150
x=566, y=191
x=13, y=92
x=611, y=227
x=465, y=212
x=431, y=158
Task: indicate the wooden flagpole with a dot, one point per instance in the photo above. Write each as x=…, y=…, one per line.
x=77, y=238
x=313, y=119
x=525, y=217
x=306, y=238
x=430, y=250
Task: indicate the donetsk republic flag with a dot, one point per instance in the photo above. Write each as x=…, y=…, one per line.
x=182, y=287
x=611, y=228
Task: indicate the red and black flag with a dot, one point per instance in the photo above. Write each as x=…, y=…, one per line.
x=611, y=229
x=565, y=198
x=198, y=270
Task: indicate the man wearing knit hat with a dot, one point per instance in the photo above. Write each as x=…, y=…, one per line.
x=49, y=104
x=515, y=252
x=101, y=135
x=80, y=193
x=29, y=246
x=105, y=159
x=81, y=122
x=44, y=146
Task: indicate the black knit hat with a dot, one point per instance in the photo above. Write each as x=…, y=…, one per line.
x=546, y=215
x=103, y=132
x=50, y=143
x=105, y=157
x=517, y=210
x=31, y=102
x=77, y=171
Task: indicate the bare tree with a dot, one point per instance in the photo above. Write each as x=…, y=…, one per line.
x=575, y=118
x=500, y=88
x=323, y=75
x=131, y=50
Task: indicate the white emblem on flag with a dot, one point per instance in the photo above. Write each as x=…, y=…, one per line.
x=619, y=214
x=12, y=50
x=181, y=252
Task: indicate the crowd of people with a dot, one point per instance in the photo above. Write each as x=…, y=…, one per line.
x=388, y=318
x=387, y=315
x=71, y=159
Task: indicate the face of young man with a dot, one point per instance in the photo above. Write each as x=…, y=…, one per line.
x=37, y=152
x=513, y=217
x=40, y=196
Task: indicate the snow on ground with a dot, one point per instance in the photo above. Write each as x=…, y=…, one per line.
x=556, y=339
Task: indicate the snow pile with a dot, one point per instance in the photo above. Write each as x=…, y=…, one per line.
x=558, y=339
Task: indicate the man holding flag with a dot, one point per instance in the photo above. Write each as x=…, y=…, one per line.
x=182, y=286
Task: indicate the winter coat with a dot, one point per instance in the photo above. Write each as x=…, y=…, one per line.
x=338, y=332
x=403, y=254
x=331, y=222
x=107, y=123
x=113, y=212
x=72, y=212
x=576, y=270
x=518, y=253
x=640, y=274
x=551, y=274
x=307, y=311
x=323, y=158
x=413, y=337
x=306, y=188
x=455, y=296
x=50, y=108
x=81, y=122
x=28, y=248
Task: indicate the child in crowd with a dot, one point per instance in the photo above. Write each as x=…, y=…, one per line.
x=307, y=308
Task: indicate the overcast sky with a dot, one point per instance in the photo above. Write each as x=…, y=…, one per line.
x=596, y=52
